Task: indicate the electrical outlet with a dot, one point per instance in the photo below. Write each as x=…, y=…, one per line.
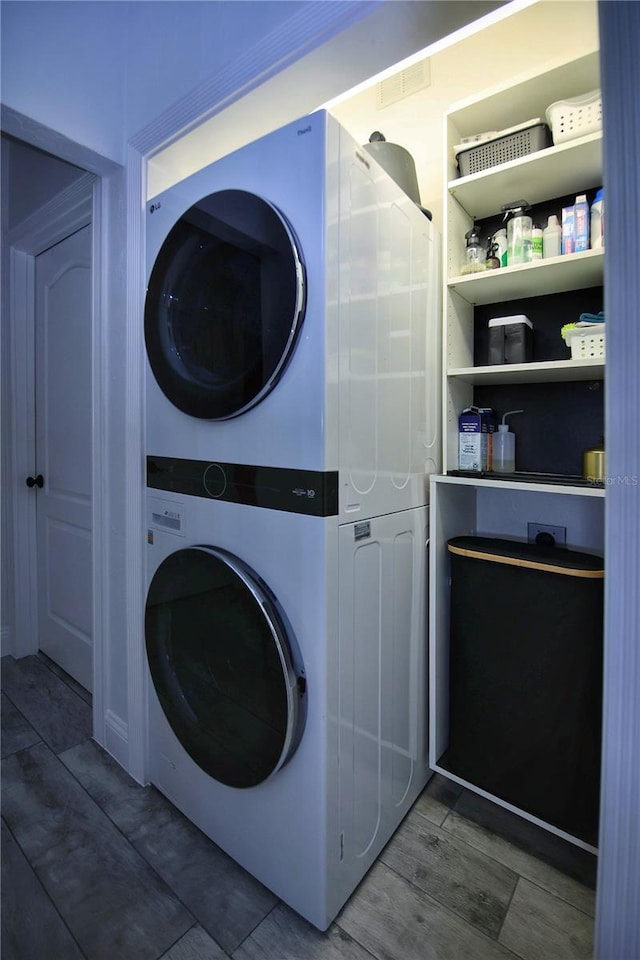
x=544, y=531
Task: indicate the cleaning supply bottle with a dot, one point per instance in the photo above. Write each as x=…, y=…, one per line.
x=504, y=446
x=597, y=221
x=552, y=238
x=519, y=228
x=536, y=243
x=500, y=240
x=493, y=259
x=581, y=220
x=475, y=257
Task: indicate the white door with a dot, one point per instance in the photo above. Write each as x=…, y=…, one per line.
x=63, y=391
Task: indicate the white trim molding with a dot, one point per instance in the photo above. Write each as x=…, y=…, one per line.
x=99, y=432
x=44, y=138
x=21, y=578
x=134, y=469
x=116, y=738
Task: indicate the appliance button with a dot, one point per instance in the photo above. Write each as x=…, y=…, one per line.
x=215, y=480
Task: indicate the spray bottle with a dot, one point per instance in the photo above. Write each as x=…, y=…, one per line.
x=504, y=446
x=475, y=256
x=519, y=229
x=500, y=240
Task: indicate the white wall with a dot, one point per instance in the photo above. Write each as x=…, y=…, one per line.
x=98, y=72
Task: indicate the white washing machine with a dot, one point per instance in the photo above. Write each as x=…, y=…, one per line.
x=288, y=703
x=292, y=319
x=291, y=324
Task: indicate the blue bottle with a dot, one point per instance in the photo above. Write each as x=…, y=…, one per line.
x=581, y=222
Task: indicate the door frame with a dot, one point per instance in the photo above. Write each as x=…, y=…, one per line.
x=77, y=206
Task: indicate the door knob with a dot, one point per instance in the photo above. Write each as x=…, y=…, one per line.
x=35, y=481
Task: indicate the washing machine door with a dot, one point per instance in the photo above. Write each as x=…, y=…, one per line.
x=222, y=664
x=224, y=305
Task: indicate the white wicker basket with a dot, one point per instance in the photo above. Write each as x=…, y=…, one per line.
x=586, y=343
x=576, y=117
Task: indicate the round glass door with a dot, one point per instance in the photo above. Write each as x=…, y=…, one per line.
x=221, y=665
x=224, y=305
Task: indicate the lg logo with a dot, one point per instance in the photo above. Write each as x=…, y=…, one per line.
x=154, y=207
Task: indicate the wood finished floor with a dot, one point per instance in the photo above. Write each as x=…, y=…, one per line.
x=95, y=867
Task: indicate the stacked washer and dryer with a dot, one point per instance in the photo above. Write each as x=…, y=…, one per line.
x=292, y=420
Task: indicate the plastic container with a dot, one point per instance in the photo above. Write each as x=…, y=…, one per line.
x=586, y=343
x=581, y=223
x=500, y=239
x=597, y=221
x=510, y=339
x=510, y=144
x=575, y=117
x=475, y=254
x=552, y=238
x=568, y=230
x=519, y=229
x=536, y=243
x=504, y=446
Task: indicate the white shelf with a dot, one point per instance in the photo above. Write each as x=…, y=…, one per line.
x=523, y=485
x=550, y=371
x=574, y=271
x=539, y=176
x=528, y=95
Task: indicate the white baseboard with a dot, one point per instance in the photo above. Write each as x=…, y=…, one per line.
x=116, y=738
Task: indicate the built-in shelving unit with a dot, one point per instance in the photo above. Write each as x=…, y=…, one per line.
x=494, y=506
x=571, y=167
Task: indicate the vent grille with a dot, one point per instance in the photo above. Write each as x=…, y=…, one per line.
x=403, y=84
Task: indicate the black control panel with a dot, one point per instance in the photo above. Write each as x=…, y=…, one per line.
x=311, y=492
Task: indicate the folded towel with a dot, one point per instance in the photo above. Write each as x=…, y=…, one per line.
x=592, y=317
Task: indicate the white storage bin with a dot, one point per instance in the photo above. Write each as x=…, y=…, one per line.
x=586, y=343
x=575, y=117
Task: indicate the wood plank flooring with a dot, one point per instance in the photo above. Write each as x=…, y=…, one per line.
x=95, y=867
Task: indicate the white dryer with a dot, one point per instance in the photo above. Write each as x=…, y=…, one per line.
x=292, y=415
x=292, y=319
x=288, y=702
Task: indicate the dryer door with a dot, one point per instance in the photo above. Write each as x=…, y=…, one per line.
x=222, y=666
x=224, y=305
